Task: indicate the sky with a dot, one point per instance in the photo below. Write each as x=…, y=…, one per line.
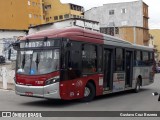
x=154, y=8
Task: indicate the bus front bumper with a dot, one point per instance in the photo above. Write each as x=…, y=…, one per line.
x=50, y=91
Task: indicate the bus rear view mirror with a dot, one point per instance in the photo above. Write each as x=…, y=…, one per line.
x=16, y=45
x=69, y=44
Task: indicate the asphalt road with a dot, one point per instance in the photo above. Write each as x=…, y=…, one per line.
x=124, y=101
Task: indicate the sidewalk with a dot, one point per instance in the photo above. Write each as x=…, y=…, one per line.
x=10, y=86
x=10, y=73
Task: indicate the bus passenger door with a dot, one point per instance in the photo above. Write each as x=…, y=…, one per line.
x=129, y=68
x=108, y=69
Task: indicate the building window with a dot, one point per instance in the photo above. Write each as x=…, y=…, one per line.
x=29, y=2
x=137, y=58
x=73, y=7
x=71, y=16
x=123, y=10
x=31, y=25
x=60, y=17
x=79, y=9
x=30, y=15
x=116, y=30
x=55, y=17
x=111, y=12
x=108, y=30
x=40, y=17
x=33, y=3
x=35, y=16
x=47, y=19
x=119, y=59
x=145, y=58
x=47, y=7
x=39, y=5
x=66, y=16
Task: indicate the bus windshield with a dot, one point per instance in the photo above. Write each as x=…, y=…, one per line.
x=36, y=62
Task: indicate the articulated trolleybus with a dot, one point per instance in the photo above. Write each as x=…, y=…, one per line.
x=73, y=63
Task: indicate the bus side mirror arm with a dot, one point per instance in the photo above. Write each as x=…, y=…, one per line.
x=16, y=45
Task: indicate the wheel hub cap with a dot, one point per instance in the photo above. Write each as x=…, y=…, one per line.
x=86, y=91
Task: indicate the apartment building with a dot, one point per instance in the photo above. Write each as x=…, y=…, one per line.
x=54, y=10
x=126, y=20
x=18, y=15
x=47, y=11
x=21, y=14
x=35, y=12
x=13, y=14
x=155, y=41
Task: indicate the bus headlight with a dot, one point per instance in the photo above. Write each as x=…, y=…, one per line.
x=52, y=80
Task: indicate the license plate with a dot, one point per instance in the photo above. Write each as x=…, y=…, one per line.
x=28, y=93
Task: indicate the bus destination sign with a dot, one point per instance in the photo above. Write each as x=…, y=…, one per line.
x=33, y=44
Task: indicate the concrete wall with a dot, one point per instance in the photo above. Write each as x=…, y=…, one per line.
x=6, y=38
x=132, y=17
x=131, y=34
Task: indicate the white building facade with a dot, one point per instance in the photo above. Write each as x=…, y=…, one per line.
x=117, y=14
x=7, y=37
x=126, y=20
x=72, y=22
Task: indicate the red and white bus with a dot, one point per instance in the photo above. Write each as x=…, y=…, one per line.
x=73, y=63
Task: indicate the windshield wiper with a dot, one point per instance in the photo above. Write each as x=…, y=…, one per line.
x=24, y=60
x=37, y=61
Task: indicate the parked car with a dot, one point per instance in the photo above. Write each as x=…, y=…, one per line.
x=2, y=59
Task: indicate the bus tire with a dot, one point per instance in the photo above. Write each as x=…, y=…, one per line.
x=137, y=87
x=89, y=92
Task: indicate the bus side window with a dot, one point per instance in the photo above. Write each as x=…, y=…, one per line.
x=100, y=65
x=145, y=58
x=74, y=60
x=89, y=58
x=151, y=58
x=137, y=58
x=119, y=59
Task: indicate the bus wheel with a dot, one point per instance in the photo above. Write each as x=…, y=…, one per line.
x=89, y=92
x=137, y=88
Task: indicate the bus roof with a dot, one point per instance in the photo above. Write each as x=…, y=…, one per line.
x=60, y=32
x=75, y=31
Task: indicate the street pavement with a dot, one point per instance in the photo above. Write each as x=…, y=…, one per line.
x=123, y=101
